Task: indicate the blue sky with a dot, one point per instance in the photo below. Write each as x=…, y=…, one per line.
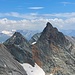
x=32, y=14
x=44, y=6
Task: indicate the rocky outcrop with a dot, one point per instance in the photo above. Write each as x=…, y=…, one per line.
x=9, y=66
x=19, y=47
x=34, y=38
x=53, y=52
x=52, y=35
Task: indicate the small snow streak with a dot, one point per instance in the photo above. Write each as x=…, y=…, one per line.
x=33, y=43
x=51, y=74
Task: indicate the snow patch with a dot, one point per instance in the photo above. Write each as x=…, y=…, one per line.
x=33, y=43
x=30, y=70
x=14, y=37
x=51, y=74
x=5, y=65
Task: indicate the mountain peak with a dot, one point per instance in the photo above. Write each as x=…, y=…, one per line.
x=19, y=47
x=49, y=29
x=17, y=39
x=17, y=33
x=49, y=25
x=51, y=34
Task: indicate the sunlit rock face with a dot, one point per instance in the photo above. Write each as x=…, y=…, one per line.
x=8, y=65
x=53, y=52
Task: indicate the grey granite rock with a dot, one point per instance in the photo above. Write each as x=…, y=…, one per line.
x=9, y=66
x=54, y=52
x=20, y=48
x=34, y=38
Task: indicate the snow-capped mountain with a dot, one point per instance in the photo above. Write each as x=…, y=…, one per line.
x=28, y=33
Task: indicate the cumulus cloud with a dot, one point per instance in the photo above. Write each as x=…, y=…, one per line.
x=35, y=21
x=6, y=24
x=37, y=24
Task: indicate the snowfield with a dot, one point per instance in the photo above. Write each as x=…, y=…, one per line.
x=30, y=70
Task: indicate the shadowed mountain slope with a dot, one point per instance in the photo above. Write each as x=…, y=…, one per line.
x=19, y=47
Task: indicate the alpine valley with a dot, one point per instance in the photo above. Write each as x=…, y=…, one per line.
x=49, y=52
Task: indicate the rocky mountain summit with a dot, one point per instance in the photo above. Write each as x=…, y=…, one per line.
x=53, y=52
x=52, y=35
x=19, y=47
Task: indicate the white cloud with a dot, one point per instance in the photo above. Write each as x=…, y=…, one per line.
x=65, y=3
x=9, y=33
x=35, y=8
x=36, y=15
x=35, y=21
x=37, y=24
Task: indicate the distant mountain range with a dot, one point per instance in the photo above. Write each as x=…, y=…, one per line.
x=4, y=35
x=68, y=32
x=29, y=33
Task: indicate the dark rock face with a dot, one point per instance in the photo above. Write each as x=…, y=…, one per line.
x=53, y=52
x=34, y=38
x=9, y=66
x=52, y=35
x=19, y=47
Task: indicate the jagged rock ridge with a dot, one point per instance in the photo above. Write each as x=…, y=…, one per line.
x=9, y=66
x=52, y=35
x=19, y=47
x=54, y=52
